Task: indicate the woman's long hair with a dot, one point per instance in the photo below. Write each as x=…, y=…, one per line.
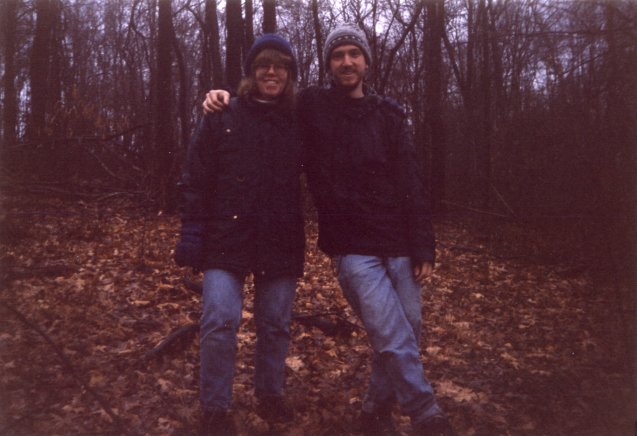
x=248, y=85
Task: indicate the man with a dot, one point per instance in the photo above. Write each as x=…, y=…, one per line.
x=374, y=221
x=241, y=215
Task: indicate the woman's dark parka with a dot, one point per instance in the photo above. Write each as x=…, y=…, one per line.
x=241, y=193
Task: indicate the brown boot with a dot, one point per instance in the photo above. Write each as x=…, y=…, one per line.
x=217, y=422
x=437, y=425
x=275, y=410
x=378, y=423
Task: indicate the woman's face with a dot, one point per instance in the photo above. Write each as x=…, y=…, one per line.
x=271, y=79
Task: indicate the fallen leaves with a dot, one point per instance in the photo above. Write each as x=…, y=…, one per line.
x=459, y=393
x=510, y=347
x=295, y=363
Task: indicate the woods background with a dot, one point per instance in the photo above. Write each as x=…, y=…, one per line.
x=524, y=112
x=524, y=109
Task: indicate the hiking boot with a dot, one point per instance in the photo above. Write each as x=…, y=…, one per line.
x=275, y=409
x=217, y=423
x=378, y=423
x=437, y=425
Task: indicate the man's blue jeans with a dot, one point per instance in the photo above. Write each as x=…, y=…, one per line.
x=220, y=319
x=384, y=294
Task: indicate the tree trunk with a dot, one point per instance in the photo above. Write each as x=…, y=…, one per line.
x=40, y=66
x=269, y=16
x=10, y=111
x=434, y=27
x=249, y=25
x=212, y=24
x=483, y=140
x=318, y=35
x=56, y=72
x=389, y=63
x=184, y=82
x=163, y=108
x=234, y=29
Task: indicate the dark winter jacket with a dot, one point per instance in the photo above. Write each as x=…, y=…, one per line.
x=364, y=176
x=241, y=193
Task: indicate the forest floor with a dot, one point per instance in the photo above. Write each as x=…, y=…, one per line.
x=518, y=338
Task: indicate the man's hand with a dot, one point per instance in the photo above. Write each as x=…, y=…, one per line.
x=216, y=101
x=421, y=272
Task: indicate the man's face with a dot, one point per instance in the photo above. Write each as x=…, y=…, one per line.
x=271, y=79
x=348, y=66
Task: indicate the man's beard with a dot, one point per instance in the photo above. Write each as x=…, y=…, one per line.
x=346, y=87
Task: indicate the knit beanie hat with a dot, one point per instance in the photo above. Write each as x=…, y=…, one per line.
x=273, y=41
x=346, y=34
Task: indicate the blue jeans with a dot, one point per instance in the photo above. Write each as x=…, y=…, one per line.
x=220, y=319
x=384, y=294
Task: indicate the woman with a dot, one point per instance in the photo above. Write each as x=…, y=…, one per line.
x=242, y=215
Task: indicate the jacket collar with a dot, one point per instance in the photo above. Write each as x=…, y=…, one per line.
x=270, y=112
x=354, y=107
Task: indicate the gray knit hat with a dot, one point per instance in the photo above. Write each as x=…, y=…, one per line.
x=346, y=34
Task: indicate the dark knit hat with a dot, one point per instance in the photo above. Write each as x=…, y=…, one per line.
x=346, y=34
x=273, y=41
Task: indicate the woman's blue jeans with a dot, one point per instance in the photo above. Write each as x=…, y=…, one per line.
x=384, y=294
x=220, y=319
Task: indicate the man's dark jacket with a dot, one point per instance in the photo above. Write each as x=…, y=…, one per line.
x=365, y=177
x=241, y=191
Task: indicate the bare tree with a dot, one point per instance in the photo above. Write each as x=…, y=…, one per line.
x=184, y=80
x=42, y=86
x=249, y=25
x=434, y=28
x=318, y=35
x=384, y=70
x=164, y=141
x=10, y=103
x=212, y=69
x=482, y=109
x=234, y=38
x=269, y=16
x=519, y=99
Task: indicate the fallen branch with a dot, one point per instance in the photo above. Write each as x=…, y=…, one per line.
x=66, y=363
x=456, y=247
x=43, y=189
x=179, y=333
x=67, y=139
x=104, y=166
x=195, y=287
x=472, y=209
x=340, y=327
x=504, y=202
x=17, y=273
x=120, y=194
x=49, y=191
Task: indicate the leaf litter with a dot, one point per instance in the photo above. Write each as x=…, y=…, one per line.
x=510, y=346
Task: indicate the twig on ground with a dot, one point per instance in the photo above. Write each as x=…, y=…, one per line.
x=179, y=333
x=193, y=286
x=472, y=209
x=66, y=363
x=16, y=273
x=501, y=197
x=331, y=328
